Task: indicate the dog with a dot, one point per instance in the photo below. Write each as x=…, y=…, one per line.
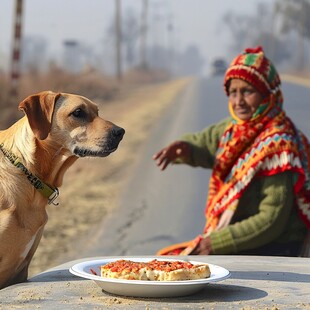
x=35, y=153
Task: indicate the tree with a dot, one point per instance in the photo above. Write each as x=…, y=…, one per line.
x=130, y=36
x=294, y=16
x=130, y=33
x=258, y=29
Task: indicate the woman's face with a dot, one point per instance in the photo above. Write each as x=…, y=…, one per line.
x=244, y=98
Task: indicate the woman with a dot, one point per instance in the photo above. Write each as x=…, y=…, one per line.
x=259, y=190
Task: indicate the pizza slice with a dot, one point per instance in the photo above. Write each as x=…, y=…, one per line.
x=155, y=270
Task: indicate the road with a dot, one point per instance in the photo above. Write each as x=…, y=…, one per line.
x=159, y=208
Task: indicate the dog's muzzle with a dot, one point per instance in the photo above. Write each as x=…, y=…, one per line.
x=110, y=145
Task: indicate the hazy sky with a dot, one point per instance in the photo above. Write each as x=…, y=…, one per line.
x=195, y=22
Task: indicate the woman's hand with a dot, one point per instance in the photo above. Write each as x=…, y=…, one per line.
x=203, y=247
x=177, y=149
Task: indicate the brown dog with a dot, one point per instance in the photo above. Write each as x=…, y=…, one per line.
x=35, y=153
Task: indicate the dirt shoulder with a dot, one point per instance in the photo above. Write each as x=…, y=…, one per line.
x=296, y=79
x=92, y=186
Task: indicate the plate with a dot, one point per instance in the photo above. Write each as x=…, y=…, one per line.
x=139, y=288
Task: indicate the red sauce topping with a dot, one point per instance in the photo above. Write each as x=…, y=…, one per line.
x=122, y=265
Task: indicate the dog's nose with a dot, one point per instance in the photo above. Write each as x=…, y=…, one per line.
x=118, y=132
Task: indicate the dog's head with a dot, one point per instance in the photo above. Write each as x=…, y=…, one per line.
x=72, y=121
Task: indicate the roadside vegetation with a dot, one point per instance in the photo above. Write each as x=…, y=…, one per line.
x=89, y=83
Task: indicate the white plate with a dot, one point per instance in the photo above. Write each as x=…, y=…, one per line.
x=139, y=288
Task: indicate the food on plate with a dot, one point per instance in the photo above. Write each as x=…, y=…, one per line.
x=155, y=270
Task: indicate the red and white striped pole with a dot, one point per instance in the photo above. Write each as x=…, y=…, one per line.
x=16, y=48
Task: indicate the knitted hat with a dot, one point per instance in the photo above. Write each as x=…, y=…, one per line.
x=255, y=68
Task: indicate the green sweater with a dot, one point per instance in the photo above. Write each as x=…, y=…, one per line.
x=265, y=212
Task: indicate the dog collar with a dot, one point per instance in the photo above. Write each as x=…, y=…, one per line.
x=49, y=192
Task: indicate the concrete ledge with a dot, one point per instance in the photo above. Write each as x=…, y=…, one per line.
x=255, y=283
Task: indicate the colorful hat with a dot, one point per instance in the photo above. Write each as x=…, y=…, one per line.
x=255, y=68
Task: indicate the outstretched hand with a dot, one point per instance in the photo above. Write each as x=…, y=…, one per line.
x=203, y=247
x=177, y=149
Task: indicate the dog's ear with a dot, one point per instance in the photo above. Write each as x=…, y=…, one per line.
x=39, y=110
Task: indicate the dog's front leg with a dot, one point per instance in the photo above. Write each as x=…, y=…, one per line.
x=22, y=273
x=20, y=277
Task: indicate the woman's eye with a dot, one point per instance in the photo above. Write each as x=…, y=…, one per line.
x=248, y=92
x=79, y=113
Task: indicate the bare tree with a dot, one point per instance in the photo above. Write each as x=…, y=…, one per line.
x=257, y=29
x=130, y=35
x=126, y=31
x=295, y=17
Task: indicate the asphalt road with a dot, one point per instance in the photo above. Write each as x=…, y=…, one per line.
x=163, y=207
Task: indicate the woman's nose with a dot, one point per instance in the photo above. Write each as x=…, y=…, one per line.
x=239, y=98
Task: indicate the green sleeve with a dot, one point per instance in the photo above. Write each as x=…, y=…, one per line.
x=275, y=201
x=204, y=145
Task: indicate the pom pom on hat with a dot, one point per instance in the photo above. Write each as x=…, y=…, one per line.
x=255, y=68
x=254, y=50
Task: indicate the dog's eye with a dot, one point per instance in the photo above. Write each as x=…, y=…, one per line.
x=79, y=113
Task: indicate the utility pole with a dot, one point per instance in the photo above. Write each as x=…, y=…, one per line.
x=118, y=39
x=16, y=49
x=143, y=33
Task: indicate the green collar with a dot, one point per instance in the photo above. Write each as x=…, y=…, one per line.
x=50, y=193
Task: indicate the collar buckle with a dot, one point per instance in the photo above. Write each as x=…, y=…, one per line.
x=53, y=197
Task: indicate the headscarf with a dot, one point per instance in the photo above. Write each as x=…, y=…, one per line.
x=267, y=144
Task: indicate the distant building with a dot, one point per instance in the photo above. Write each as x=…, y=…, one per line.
x=72, y=60
x=34, y=53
